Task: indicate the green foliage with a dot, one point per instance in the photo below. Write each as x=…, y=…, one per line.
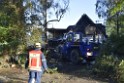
x=110, y=62
x=114, y=44
x=107, y=8
x=3, y=33
x=105, y=66
x=52, y=11
x=118, y=7
x=117, y=44
x=10, y=38
x=112, y=11
x=120, y=72
x=11, y=26
x=35, y=36
x=52, y=70
x=110, y=66
x=10, y=13
x=22, y=58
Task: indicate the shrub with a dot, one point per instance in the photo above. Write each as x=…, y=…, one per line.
x=120, y=72
x=110, y=63
x=22, y=58
x=105, y=66
x=117, y=42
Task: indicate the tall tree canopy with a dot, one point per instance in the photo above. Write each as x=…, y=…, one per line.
x=10, y=12
x=109, y=7
x=112, y=10
x=44, y=11
x=11, y=24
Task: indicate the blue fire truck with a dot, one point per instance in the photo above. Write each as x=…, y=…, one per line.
x=75, y=47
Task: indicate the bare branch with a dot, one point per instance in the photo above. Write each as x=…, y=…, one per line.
x=53, y=20
x=60, y=13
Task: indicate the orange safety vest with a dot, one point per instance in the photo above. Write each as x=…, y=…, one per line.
x=35, y=62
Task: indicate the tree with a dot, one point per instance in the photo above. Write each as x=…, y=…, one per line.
x=44, y=11
x=102, y=8
x=11, y=24
x=112, y=10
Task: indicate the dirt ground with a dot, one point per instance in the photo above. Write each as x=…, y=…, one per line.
x=68, y=73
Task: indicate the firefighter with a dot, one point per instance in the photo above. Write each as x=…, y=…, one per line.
x=36, y=62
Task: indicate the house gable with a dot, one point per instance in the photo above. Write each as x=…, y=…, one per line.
x=85, y=25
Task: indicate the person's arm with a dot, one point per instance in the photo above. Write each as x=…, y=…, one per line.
x=44, y=62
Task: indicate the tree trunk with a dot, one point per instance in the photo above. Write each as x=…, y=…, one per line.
x=45, y=21
x=117, y=25
x=45, y=32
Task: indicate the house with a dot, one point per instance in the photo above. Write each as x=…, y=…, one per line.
x=56, y=33
x=91, y=30
x=86, y=26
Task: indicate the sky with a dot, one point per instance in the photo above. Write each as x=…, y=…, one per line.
x=76, y=9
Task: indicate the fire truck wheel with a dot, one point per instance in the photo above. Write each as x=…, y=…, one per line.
x=74, y=56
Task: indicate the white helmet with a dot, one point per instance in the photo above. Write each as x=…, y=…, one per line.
x=38, y=45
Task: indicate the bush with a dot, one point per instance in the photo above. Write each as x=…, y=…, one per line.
x=117, y=42
x=120, y=72
x=110, y=63
x=22, y=58
x=105, y=66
